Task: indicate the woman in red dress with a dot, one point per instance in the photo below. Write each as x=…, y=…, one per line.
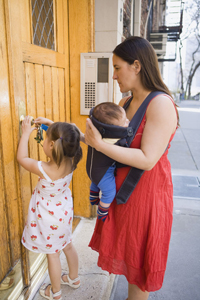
x=134, y=239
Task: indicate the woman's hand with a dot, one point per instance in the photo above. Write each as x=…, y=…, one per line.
x=26, y=126
x=41, y=120
x=92, y=135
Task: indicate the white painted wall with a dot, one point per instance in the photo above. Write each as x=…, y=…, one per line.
x=109, y=30
x=108, y=24
x=137, y=17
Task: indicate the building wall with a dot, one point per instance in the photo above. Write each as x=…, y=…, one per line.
x=108, y=24
x=109, y=30
x=144, y=13
x=127, y=18
x=81, y=40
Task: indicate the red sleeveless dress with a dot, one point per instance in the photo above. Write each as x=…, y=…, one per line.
x=134, y=239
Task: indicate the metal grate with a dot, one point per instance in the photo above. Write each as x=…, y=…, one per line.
x=186, y=187
x=43, y=23
x=90, y=91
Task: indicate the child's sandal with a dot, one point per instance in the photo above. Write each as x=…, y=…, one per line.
x=70, y=282
x=52, y=295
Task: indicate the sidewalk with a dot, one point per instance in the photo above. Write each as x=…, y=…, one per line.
x=183, y=269
x=96, y=284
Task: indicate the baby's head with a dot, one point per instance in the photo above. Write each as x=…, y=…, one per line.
x=66, y=142
x=110, y=113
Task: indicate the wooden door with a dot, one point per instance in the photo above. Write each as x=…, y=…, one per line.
x=34, y=80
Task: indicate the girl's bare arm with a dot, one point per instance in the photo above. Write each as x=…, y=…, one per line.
x=23, y=158
x=41, y=120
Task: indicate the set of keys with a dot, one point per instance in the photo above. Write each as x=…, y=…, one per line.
x=40, y=128
x=39, y=135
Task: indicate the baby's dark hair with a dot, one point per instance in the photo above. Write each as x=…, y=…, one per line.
x=106, y=112
x=66, y=139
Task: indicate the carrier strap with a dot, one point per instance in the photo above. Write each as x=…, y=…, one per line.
x=134, y=174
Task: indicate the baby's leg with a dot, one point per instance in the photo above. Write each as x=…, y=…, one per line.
x=72, y=260
x=102, y=212
x=94, y=194
x=54, y=267
x=108, y=189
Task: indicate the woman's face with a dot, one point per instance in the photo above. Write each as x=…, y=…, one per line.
x=124, y=73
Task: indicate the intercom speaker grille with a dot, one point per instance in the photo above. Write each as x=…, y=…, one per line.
x=90, y=92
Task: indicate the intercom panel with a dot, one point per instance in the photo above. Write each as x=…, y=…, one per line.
x=96, y=80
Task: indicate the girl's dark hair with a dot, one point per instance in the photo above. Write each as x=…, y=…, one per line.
x=138, y=48
x=66, y=139
x=106, y=112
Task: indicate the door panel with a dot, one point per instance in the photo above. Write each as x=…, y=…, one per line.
x=61, y=89
x=30, y=102
x=9, y=224
x=36, y=79
x=40, y=104
x=5, y=262
x=48, y=92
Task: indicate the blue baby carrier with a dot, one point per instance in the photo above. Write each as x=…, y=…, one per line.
x=97, y=163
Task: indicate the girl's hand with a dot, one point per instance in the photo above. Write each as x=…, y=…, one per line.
x=27, y=163
x=92, y=135
x=41, y=120
x=26, y=126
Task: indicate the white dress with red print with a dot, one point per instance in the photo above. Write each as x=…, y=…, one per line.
x=49, y=224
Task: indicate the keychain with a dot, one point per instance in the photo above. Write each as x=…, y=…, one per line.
x=40, y=128
x=39, y=135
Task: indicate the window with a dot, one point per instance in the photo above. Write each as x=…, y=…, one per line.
x=43, y=23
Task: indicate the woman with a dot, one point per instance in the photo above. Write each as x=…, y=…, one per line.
x=134, y=240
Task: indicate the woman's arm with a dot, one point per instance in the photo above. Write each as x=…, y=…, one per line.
x=161, y=121
x=27, y=163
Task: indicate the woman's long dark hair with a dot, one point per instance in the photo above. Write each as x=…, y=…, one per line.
x=138, y=48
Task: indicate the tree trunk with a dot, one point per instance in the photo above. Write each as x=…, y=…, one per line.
x=181, y=66
x=191, y=78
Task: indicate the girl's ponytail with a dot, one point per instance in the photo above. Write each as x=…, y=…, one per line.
x=77, y=157
x=66, y=139
x=57, y=152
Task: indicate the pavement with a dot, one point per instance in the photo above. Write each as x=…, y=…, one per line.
x=182, y=278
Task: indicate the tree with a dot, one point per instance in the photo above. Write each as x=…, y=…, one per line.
x=192, y=11
x=181, y=64
x=195, y=65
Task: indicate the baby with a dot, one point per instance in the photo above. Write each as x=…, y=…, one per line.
x=100, y=168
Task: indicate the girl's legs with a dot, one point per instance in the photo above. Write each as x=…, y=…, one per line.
x=54, y=268
x=134, y=293
x=72, y=260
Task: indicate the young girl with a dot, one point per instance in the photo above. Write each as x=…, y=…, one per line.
x=49, y=224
